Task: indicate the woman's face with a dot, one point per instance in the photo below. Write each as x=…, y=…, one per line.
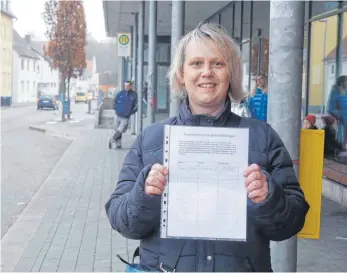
x=205, y=76
x=260, y=81
x=307, y=124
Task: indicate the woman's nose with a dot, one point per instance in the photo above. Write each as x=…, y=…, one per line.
x=207, y=71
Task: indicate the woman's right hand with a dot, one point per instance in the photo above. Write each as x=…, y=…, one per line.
x=156, y=180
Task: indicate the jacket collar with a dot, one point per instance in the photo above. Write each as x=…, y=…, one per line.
x=186, y=117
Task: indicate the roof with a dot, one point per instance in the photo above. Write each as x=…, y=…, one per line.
x=332, y=54
x=8, y=13
x=22, y=48
x=38, y=46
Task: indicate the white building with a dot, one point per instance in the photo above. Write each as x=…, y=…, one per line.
x=25, y=72
x=31, y=71
x=88, y=82
x=48, y=80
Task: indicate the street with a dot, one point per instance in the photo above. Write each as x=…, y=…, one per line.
x=28, y=156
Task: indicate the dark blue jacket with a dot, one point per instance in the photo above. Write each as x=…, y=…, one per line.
x=137, y=216
x=125, y=103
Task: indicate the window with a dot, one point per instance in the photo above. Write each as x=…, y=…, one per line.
x=332, y=70
x=321, y=7
x=34, y=64
x=3, y=31
x=28, y=65
x=22, y=64
x=9, y=81
x=22, y=86
x=3, y=56
x=322, y=56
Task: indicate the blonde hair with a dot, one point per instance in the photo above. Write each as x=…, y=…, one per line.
x=229, y=49
x=265, y=89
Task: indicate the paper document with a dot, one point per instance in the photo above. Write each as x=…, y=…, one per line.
x=205, y=197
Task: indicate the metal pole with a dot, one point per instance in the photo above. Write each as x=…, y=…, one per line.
x=250, y=45
x=177, y=31
x=120, y=73
x=134, y=60
x=141, y=24
x=308, y=58
x=340, y=32
x=284, y=109
x=323, y=72
x=152, y=52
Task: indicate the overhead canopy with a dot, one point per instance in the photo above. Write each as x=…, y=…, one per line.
x=119, y=15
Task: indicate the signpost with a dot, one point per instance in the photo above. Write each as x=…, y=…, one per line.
x=124, y=44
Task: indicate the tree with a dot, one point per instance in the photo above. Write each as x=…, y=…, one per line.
x=66, y=31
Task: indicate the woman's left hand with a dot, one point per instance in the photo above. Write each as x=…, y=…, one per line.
x=256, y=184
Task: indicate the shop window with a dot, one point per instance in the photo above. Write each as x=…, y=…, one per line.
x=321, y=7
x=322, y=56
x=227, y=19
x=336, y=147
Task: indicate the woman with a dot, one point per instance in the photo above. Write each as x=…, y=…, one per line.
x=337, y=107
x=331, y=145
x=206, y=68
x=310, y=122
x=257, y=102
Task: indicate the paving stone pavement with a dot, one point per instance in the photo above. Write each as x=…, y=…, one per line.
x=65, y=229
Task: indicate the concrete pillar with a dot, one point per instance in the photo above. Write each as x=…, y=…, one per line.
x=141, y=24
x=177, y=31
x=134, y=63
x=284, y=108
x=152, y=53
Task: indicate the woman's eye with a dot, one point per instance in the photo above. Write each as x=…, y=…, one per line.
x=219, y=64
x=197, y=63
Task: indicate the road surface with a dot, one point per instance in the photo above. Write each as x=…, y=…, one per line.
x=27, y=157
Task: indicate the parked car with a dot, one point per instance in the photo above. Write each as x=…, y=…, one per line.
x=81, y=97
x=47, y=101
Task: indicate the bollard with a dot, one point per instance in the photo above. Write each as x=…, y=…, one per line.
x=89, y=106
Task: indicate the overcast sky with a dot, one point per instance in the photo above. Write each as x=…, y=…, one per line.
x=29, y=18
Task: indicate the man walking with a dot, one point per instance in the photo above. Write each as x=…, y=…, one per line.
x=125, y=104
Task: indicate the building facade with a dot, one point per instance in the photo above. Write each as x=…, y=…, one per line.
x=6, y=53
x=248, y=22
x=32, y=73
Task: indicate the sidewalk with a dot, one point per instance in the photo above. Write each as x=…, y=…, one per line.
x=64, y=228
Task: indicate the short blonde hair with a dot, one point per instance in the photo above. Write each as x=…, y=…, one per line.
x=229, y=49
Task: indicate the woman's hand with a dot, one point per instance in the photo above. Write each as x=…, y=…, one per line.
x=256, y=184
x=156, y=181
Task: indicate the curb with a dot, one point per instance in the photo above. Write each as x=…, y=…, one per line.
x=36, y=128
x=53, y=133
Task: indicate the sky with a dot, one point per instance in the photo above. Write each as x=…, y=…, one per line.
x=29, y=18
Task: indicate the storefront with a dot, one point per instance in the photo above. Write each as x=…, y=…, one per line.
x=325, y=59
x=324, y=55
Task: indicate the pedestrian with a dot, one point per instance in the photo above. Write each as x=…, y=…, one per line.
x=258, y=99
x=337, y=107
x=310, y=122
x=206, y=67
x=125, y=104
x=332, y=147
